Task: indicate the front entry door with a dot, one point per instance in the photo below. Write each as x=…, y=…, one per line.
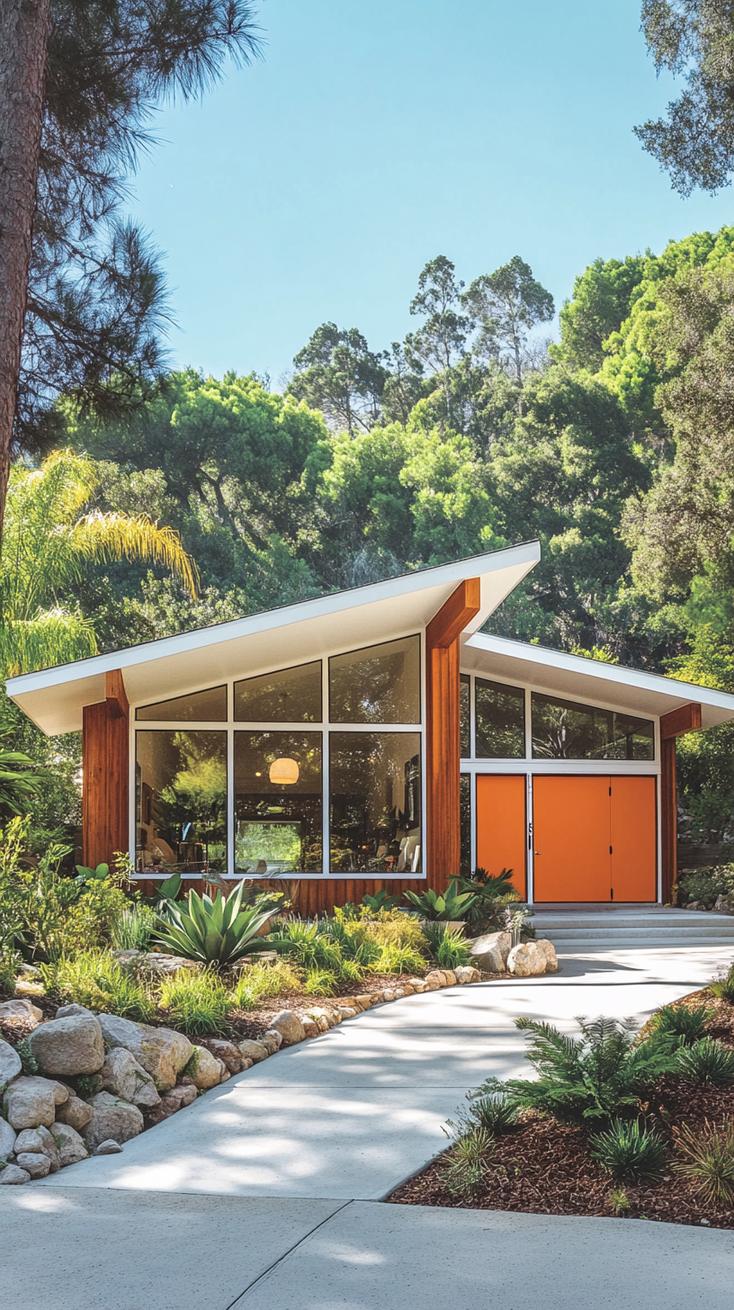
x=594, y=838
x=502, y=825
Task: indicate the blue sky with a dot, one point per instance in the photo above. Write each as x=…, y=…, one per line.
x=374, y=135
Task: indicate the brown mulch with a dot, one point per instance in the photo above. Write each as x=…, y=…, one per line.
x=544, y=1167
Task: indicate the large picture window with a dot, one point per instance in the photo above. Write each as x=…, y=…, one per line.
x=181, y=800
x=277, y=803
x=208, y=706
x=567, y=730
x=375, y=802
x=380, y=684
x=286, y=696
x=500, y=720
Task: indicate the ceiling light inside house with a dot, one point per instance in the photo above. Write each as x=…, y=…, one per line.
x=284, y=772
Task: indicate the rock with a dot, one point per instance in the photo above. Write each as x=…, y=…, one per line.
x=466, y=973
x=389, y=994
x=225, y=1051
x=162, y=1052
x=288, y=1024
x=33, y=1101
x=272, y=1039
x=363, y=1001
x=253, y=1050
x=7, y=1139
x=69, y=1046
x=111, y=1118
x=204, y=1069
x=310, y=1027
x=490, y=951
x=10, y=1064
x=418, y=984
x=435, y=979
x=154, y=962
x=69, y=1144
x=526, y=960
x=29, y=981
x=38, y=1141
x=11, y=1176
x=345, y=1012
x=75, y=1112
x=37, y=1165
x=321, y=1017
x=171, y=1102
x=549, y=951
x=65, y=1011
x=450, y=977
x=108, y=1147
x=21, y=1008
x=124, y=1077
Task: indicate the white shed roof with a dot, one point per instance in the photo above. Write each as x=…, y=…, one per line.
x=573, y=675
x=54, y=698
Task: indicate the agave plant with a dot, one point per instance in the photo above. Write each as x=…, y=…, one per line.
x=217, y=930
x=450, y=904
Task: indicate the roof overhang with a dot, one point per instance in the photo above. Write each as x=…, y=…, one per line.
x=646, y=694
x=54, y=698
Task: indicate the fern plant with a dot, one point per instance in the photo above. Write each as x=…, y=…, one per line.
x=594, y=1076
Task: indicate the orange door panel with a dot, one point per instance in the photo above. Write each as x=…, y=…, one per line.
x=502, y=826
x=571, y=838
x=633, y=839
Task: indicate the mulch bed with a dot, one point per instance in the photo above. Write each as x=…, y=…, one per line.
x=544, y=1167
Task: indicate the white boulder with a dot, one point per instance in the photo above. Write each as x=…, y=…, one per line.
x=30, y=1101
x=10, y=1064
x=69, y=1144
x=204, y=1069
x=21, y=1008
x=37, y=1164
x=526, y=960
x=68, y=1046
x=124, y=1077
x=111, y=1118
x=75, y=1112
x=289, y=1025
x=490, y=951
x=12, y=1175
x=7, y=1139
x=162, y=1052
x=38, y=1141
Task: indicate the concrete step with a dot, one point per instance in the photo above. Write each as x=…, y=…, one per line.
x=693, y=922
x=591, y=946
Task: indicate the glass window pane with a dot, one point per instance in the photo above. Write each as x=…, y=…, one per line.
x=208, y=706
x=465, y=824
x=380, y=684
x=285, y=696
x=566, y=730
x=375, y=782
x=464, y=730
x=277, y=784
x=500, y=720
x=181, y=800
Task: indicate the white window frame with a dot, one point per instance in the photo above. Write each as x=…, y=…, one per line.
x=325, y=726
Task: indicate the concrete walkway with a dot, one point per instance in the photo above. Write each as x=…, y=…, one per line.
x=263, y=1194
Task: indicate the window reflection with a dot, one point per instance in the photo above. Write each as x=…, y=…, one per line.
x=566, y=730
x=464, y=724
x=181, y=800
x=285, y=696
x=465, y=824
x=375, y=795
x=278, y=806
x=208, y=706
x=380, y=684
x=500, y=720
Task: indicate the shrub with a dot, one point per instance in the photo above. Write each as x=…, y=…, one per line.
x=465, y=1166
x=724, y=987
x=449, y=904
x=707, y=1061
x=90, y=922
x=491, y=893
x=596, y=1075
x=706, y=1159
x=195, y=1001
x=352, y=937
x=304, y=941
x=215, y=930
x=619, y=1202
x=134, y=927
x=96, y=979
x=447, y=945
x=686, y=1023
x=395, y=928
x=704, y=885
x=399, y=959
x=493, y=1111
x=320, y=982
x=261, y=980
x=629, y=1149
x=380, y=900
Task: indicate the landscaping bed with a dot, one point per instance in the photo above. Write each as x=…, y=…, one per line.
x=544, y=1162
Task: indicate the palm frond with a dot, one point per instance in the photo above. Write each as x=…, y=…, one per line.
x=52, y=637
x=114, y=536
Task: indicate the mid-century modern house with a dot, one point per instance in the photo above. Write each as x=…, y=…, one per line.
x=377, y=737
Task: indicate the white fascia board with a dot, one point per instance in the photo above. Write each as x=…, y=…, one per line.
x=660, y=693
x=53, y=697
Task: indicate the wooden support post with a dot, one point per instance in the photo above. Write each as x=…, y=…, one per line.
x=686, y=718
x=443, y=750
x=105, y=756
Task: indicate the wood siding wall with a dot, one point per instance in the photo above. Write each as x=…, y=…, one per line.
x=105, y=764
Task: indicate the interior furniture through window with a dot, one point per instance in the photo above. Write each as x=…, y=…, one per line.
x=375, y=802
x=277, y=802
x=181, y=800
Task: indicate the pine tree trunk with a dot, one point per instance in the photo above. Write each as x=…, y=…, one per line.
x=23, y=37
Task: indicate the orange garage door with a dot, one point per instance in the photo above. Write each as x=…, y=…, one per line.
x=594, y=838
x=502, y=826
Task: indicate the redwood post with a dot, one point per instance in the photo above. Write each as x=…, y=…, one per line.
x=105, y=758
x=687, y=718
x=443, y=750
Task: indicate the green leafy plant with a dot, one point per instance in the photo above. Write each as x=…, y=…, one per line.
x=707, y=1061
x=723, y=988
x=84, y=874
x=380, y=900
x=447, y=944
x=97, y=980
x=619, y=1202
x=706, y=1160
x=196, y=1001
x=629, y=1149
x=465, y=1165
x=399, y=958
x=492, y=894
x=493, y=1111
x=450, y=904
x=685, y=1022
x=320, y=982
x=261, y=980
x=305, y=941
x=20, y=780
x=134, y=927
x=27, y=1058
x=595, y=1076
x=216, y=930
x=705, y=885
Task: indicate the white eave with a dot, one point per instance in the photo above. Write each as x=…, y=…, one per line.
x=54, y=698
x=647, y=694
